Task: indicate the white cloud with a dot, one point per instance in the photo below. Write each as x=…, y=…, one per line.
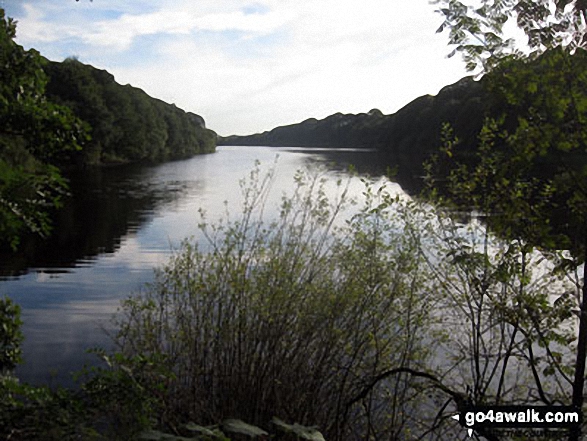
x=248, y=66
x=33, y=28
x=238, y=20
x=179, y=22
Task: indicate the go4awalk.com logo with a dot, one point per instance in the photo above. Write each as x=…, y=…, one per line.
x=483, y=418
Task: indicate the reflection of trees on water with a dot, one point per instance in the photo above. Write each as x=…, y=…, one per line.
x=105, y=205
x=407, y=173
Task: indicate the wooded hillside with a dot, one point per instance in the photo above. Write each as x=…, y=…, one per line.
x=408, y=136
x=126, y=124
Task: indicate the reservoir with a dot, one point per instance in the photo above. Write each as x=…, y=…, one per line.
x=122, y=222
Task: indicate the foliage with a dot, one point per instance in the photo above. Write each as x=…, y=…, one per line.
x=385, y=324
x=41, y=127
x=499, y=335
x=49, y=131
x=545, y=147
x=499, y=296
x=478, y=29
x=404, y=139
x=34, y=133
x=295, y=317
x=38, y=413
x=127, y=124
x=529, y=170
x=380, y=325
x=116, y=401
x=10, y=335
x=109, y=405
x=28, y=412
x=530, y=175
x=27, y=196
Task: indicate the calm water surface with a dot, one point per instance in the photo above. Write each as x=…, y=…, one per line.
x=119, y=225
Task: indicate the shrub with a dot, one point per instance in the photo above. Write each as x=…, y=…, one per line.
x=293, y=317
x=10, y=335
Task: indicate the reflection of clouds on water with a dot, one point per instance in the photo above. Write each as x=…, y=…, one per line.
x=57, y=339
x=147, y=213
x=45, y=275
x=135, y=254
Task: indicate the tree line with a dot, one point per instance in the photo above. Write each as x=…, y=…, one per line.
x=59, y=115
x=386, y=325
x=125, y=123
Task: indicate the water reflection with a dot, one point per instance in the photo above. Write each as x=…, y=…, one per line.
x=105, y=206
x=367, y=162
x=119, y=224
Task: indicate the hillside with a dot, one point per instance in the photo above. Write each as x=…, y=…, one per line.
x=406, y=137
x=127, y=125
x=66, y=115
x=336, y=130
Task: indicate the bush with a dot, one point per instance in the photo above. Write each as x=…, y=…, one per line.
x=10, y=336
x=293, y=318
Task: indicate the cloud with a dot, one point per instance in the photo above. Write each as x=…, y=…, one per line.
x=177, y=22
x=250, y=65
x=118, y=31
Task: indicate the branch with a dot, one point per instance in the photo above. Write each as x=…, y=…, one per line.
x=460, y=399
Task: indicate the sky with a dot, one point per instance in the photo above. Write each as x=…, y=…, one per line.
x=249, y=66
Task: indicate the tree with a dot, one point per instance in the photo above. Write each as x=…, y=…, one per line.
x=127, y=124
x=537, y=163
x=381, y=328
x=476, y=29
x=35, y=136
